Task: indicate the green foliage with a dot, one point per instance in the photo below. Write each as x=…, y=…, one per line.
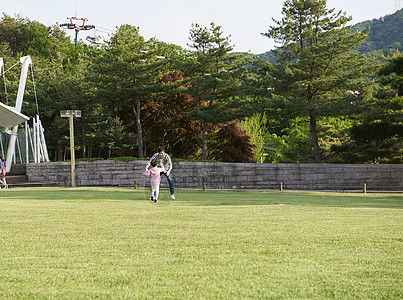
x=267, y=57
x=126, y=75
x=291, y=144
x=378, y=138
x=216, y=76
x=27, y=37
x=392, y=73
x=315, y=64
x=256, y=129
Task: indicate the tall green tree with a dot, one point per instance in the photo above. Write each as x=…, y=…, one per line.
x=27, y=37
x=392, y=73
x=216, y=77
x=378, y=137
x=315, y=64
x=127, y=74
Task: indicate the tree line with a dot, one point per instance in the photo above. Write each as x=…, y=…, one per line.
x=320, y=102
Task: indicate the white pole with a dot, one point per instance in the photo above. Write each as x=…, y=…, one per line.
x=19, y=149
x=71, y=114
x=38, y=140
x=1, y=143
x=1, y=134
x=73, y=160
x=26, y=143
x=34, y=138
x=30, y=131
x=43, y=142
x=26, y=60
x=14, y=157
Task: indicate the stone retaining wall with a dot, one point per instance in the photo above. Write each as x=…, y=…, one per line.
x=226, y=175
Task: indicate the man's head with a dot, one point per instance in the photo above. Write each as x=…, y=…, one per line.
x=161, y=152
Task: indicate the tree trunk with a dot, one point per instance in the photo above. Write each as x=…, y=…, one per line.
x=204, y=133
x=314, y=135
x=83, y=137
x=59, y=151
x=204, y=141
x=139, y=130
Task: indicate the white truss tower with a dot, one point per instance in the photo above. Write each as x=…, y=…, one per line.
x=12, y=117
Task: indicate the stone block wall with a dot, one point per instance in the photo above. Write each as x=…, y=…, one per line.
x=226, y=175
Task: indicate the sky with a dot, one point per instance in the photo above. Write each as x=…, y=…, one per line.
x=171, y=20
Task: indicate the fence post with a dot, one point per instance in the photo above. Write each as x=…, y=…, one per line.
x=281, y=186
x=364, y=188
x=204, y=187
x=135, y=184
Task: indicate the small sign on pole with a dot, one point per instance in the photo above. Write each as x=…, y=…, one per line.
x=71, y=114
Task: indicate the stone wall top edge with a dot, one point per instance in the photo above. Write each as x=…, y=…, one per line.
x=143, y=162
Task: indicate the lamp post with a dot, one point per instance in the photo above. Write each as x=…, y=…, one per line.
x=71, y=114
x=261, y=157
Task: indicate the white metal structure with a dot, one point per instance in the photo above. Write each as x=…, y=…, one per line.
x=8, y=116
x=11, y=117
x=26, y=61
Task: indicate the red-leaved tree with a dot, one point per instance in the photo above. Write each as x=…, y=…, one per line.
x=165, y=122
x=231, y=144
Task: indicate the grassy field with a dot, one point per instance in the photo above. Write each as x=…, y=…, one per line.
x=109, y=243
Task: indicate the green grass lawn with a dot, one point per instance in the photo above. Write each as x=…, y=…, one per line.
x=112, y=243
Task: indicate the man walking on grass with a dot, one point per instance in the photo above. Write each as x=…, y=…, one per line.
x=165, y=161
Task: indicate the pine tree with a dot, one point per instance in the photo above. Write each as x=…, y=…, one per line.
x=215, y=78
x=127, y=74
x=315, y=63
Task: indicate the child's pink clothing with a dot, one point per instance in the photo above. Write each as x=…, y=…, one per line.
x=154, y=174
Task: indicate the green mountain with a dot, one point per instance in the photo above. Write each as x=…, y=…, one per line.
x=384, y=38
x=385, y=34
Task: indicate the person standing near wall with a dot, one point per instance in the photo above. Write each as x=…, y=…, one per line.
x=164, y=160
x=3, y=181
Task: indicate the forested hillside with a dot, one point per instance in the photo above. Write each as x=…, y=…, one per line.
x=322, y=102
x=385, y=35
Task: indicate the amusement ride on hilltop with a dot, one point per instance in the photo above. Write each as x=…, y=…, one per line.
x=77, y=27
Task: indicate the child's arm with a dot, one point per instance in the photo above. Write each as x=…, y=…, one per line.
x=147, y=173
